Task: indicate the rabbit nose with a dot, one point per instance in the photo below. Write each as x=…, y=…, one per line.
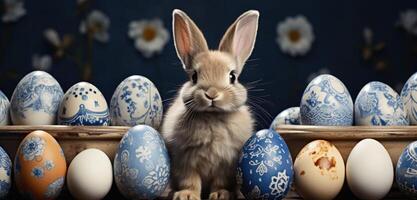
x=211, y=93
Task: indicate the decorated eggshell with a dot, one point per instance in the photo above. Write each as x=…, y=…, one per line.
x=39, y=166
x=369, y=170
x=136, y=101
x=5, y=173
x=326, y=101
x=4, y=109
x=287, y=116
x=141, y=164
x=319, y=171
x=35, y=100
x=83, y=105
x=406, y=171
x=90, y=175
x=409, y=98
x=377, y=104
x=265, y=168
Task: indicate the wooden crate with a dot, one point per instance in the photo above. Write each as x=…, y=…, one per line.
x=74, y=139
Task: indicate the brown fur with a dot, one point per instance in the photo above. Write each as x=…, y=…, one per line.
x=208, y=122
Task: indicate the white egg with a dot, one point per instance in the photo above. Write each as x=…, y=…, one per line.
x=326, y=101
x=35, y=100
x=90, y=175
x=83, y=105
x=136, y=101
x=369, y=170
x=4, y=109
x=377, y=104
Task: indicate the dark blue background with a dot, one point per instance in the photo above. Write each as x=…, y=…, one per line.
x=337, y=26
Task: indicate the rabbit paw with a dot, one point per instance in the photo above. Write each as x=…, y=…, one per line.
x=220, y=195
x=186, y=195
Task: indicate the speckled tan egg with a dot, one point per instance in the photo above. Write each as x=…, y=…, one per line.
x=319, y=171
x=39, y=166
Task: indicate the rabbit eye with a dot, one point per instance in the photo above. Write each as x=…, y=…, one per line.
x=232, y=77
x=194, y=78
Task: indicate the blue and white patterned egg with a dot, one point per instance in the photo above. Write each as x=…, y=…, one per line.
x=35, y=100
x=326, y=101
x=287, y=116
x=83, y=105
x=409, y=98
x=265, y=169
x=136, y=101
x=141, y=164
x=406, y=171
x=5, y=173
x=4, y=109
x=377, y=104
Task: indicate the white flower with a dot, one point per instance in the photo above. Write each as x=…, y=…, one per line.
x=143, y=153
x=97, y=24
x=408, y=21
x=43, y=62
x=368, y=35
x=13, y=10
x=295, y=35
x=52, y=36
x=150, y=36
x=315, y=74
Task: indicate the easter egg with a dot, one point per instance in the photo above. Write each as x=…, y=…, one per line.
x=326, y=101
x=39, y=166
x=409, y=98
x=377, y=104
x=4, y=109
x=319, y=171
x=90, y=175
x=369, y=170
x=406, y=171
x=83, y=105
x=5, y=173
x=265, y=168
x=141, y=164
x=35, y=100
x=287, y=116
x=136, y=101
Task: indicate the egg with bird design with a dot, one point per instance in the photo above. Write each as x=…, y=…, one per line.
x=326, y=101
x=35, y=100
x=83, y=105
x=265, y=168
x=136, y=101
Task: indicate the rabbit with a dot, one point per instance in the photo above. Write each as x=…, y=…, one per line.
x=209, y=121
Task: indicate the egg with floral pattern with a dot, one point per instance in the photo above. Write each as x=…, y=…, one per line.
x=35, y=100
x=287, y=116
x=4, y=109
x=136, y=101
x=409, y=98
x=377, y=104
x=39, y=166
x=83, y=105
x=406, y=170
x=5, y=173
x=265, y=168
x=141, y=165
x=326, y=101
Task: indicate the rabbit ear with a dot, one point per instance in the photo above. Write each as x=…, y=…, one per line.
x=240, y=37
x=188, y=39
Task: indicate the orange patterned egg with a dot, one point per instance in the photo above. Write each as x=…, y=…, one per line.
x=39, y=166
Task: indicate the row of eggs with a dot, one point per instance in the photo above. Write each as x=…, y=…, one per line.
x=141, y=168
x=326, y=101
x=38, y=99
x=266, y=171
